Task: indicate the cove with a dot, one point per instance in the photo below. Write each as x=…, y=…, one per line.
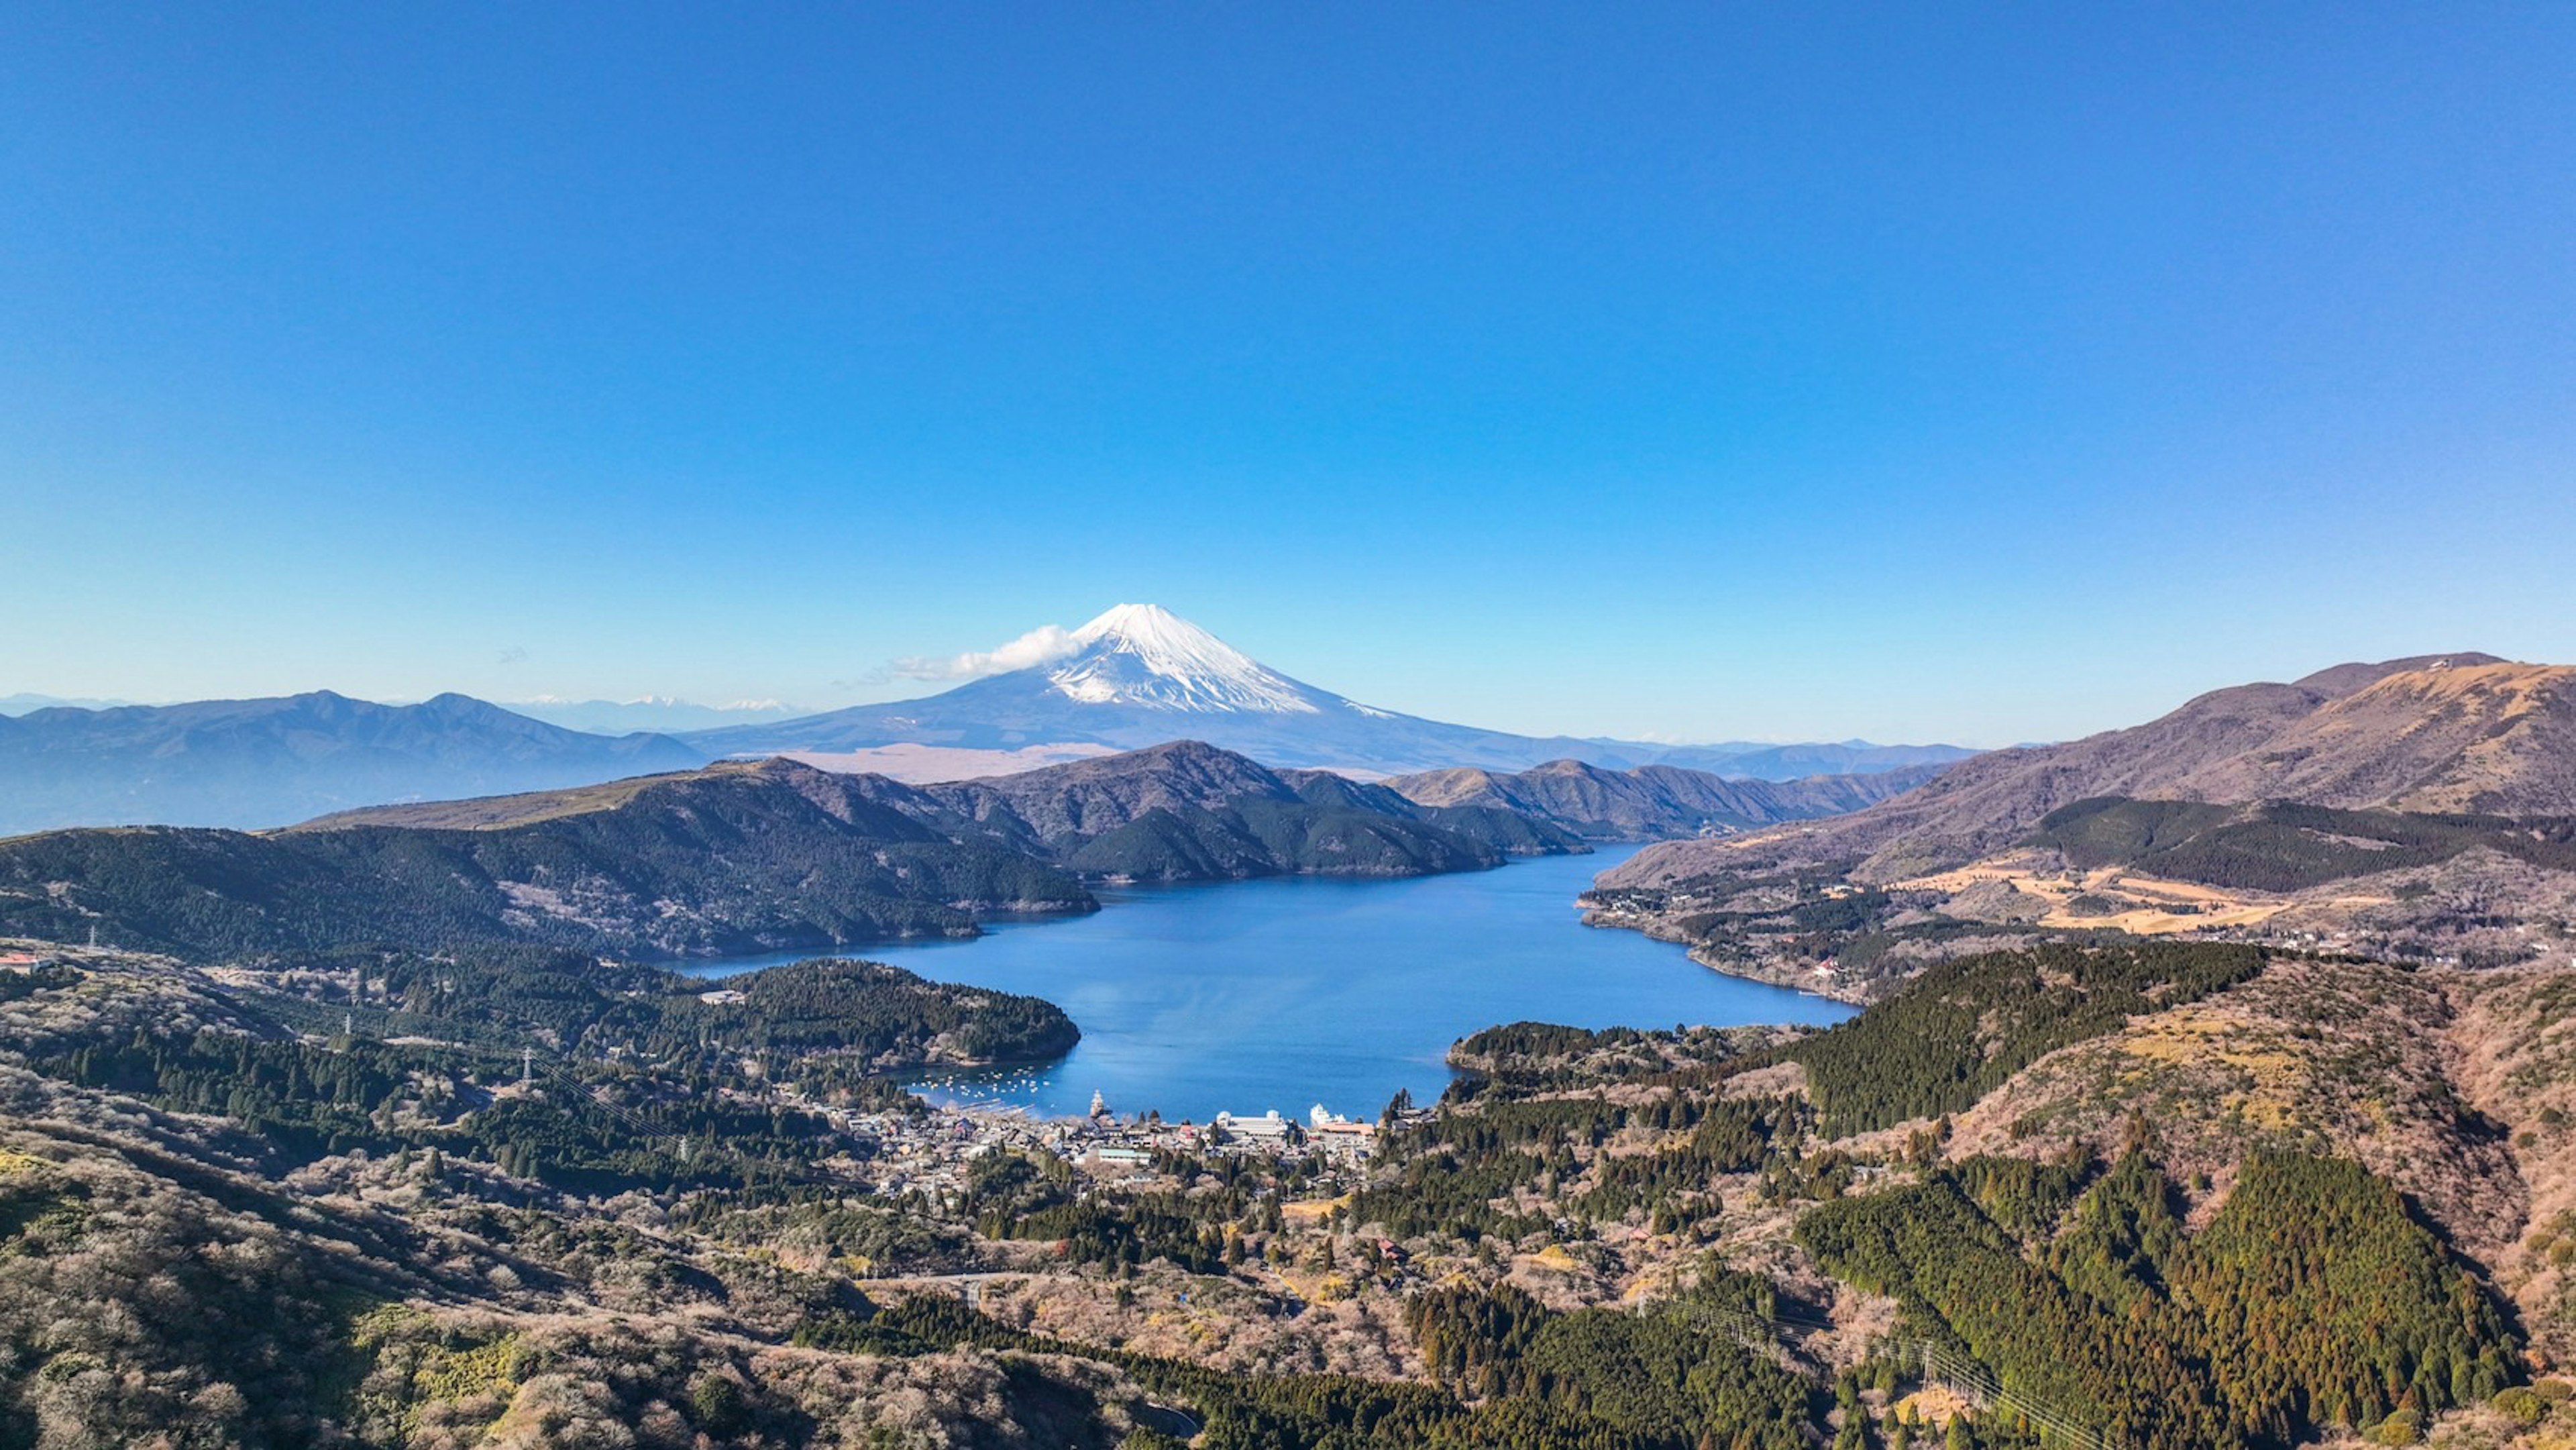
x=1292, y=991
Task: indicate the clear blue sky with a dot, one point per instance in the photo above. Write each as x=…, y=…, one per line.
x=1969, y=372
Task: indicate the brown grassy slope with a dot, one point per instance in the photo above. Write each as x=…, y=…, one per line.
x=2432, y=732
x=2497, y=738
x=2358, y=1060
x=2516, y=1036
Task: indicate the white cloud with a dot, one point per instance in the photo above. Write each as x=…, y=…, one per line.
x=1037, y=647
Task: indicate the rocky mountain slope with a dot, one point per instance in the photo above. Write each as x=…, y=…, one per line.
x=254, y=763
x=1655, y=802
x=2463, y=732
x=2417, y=806
x=2144, y=1186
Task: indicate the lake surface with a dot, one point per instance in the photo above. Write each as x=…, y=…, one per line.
x=1283, y=993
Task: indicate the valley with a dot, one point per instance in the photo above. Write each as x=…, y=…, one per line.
x=2167, y=1112
x=1621, y=1236
x=1350, y=727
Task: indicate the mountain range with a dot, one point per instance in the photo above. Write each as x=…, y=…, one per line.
x=1139, y=674
x=2435, y=733
x=650, y=714
x=2427, y=805
x=736, y=857
x=23, y=703
x=270, y=761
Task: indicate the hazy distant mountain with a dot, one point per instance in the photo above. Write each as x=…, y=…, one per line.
x=1139, y=675
x=657, y=714
x=1655, y=802
x=2433, y=733
x=1799, y=762
x=252, y=763
x=22, y=704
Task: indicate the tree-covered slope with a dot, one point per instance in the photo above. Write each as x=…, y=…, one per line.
x=1656, y=802
x=2282, y=846
x=1187, y=811
x=734, y=858
x=728, y=860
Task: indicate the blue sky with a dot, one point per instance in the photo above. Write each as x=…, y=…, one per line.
x=1981, y=373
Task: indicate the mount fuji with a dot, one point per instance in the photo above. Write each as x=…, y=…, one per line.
x=1140, y=675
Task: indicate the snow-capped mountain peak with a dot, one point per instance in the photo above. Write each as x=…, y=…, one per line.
x=1143, y=654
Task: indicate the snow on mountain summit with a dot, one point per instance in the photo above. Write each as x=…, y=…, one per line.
x=1143, y=654
x=1140, y=676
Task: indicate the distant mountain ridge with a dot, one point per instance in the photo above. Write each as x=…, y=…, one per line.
x=1180, y=811
x=24, y=703
x=1138, y=675
x=265, y=762
x=733, y=858
x=652, y=714
x=1655, y=802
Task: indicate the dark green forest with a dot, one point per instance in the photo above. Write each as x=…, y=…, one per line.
x=2313, y=1300
x=2285, y=846
x=654, y=1092
x=1958, y=1030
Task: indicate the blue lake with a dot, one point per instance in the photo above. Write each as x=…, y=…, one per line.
x=1284, y=993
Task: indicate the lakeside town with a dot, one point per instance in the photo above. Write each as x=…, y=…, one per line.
x=933, y=1152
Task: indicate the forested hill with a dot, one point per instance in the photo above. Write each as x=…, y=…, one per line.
x=717, y=862
x=730, y=859
x=2175, y=1196
x=1188, y=811
x=1181, y=811
x=1657, y=802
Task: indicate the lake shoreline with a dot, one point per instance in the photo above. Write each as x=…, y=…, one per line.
x=1293, y=992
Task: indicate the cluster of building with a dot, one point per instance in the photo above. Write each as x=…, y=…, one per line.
x=1324, y=1132
x=935, y=1153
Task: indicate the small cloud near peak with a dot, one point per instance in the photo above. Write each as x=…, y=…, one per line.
x=1045, y=643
